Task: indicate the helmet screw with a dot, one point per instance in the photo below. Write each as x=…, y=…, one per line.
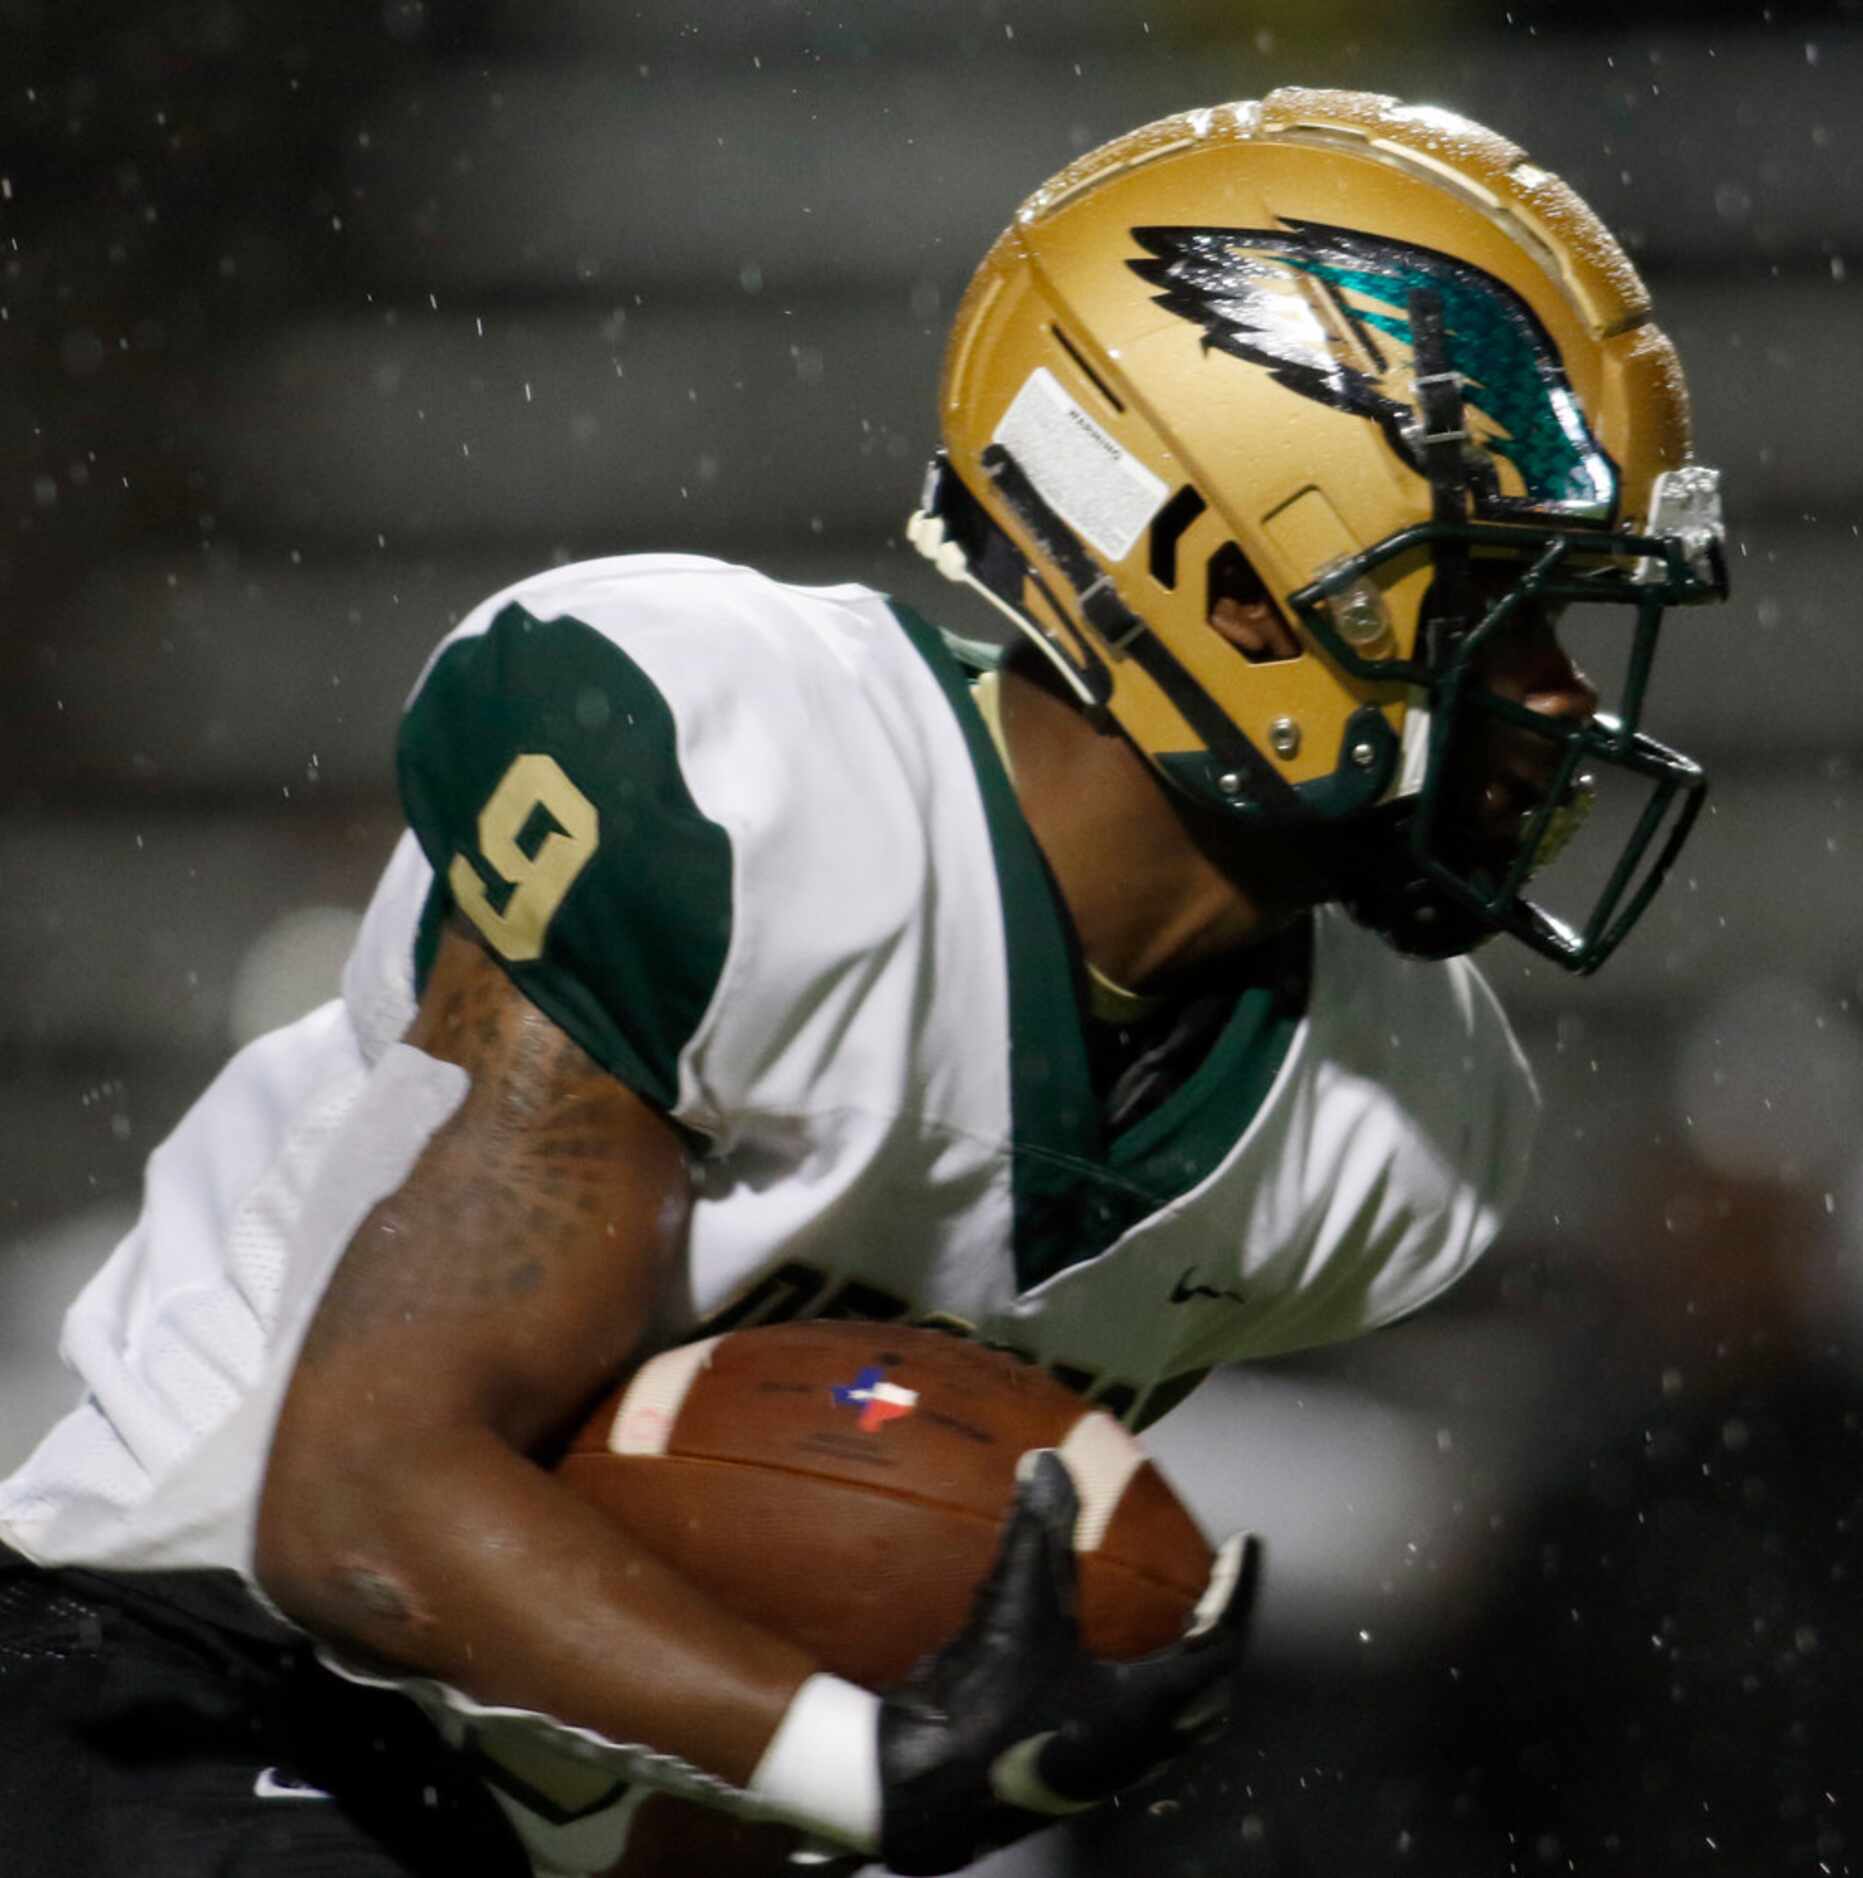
x=1360, y=615
x=1364, y=755
x=1284, y=734
x=1230, y=783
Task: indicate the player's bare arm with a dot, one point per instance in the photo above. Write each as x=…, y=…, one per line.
x=474, y=1314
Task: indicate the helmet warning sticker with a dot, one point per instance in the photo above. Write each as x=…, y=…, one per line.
x=1096, y=485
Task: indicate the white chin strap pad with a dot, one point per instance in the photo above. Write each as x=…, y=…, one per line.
x=927, y=533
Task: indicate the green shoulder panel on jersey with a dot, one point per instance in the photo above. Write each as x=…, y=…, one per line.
x=539, y=770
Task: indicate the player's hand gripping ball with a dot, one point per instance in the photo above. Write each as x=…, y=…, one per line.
x=1015, y=1721
x=1044, y=1627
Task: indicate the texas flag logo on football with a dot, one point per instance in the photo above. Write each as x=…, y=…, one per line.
x=878, y=1400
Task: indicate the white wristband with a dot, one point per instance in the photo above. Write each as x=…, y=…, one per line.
x=821, y=1770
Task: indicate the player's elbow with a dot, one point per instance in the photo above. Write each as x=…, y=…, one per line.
x=327, y=1546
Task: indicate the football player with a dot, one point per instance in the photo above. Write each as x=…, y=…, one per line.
x=755, y=951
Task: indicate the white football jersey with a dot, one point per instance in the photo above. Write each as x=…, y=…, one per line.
x=753, y=847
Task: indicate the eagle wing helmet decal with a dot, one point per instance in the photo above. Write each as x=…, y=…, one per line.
x=1326, y=312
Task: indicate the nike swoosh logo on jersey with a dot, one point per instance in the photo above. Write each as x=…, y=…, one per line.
x=1184, y=1291
x=272, y=1785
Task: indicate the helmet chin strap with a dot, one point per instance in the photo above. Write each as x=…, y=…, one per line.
x=959, y=539
x=1256, y=784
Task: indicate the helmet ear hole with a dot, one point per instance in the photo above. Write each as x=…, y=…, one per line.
x=1252, y=623
x=1168, y=530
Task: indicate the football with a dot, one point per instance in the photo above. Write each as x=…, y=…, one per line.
x=845, y=1484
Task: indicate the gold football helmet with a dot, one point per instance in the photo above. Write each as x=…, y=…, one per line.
x=1365, y=364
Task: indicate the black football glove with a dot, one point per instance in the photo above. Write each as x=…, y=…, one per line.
x=1012, y=1724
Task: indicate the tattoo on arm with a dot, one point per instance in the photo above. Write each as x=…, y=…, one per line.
x=530, y=1179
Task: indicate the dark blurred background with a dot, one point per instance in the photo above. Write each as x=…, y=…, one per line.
x=316, y=324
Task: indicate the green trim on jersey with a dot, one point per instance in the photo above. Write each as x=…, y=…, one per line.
x=1057, y=1142
x=633, y=946
x=1180, y=1143
x=1074, y=1192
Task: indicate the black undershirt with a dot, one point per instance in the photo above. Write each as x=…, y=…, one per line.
x=1136, y=1066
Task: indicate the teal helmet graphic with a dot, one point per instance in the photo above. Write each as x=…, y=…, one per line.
x=1234, y=283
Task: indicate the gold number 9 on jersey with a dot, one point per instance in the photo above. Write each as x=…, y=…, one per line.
x=539, y=879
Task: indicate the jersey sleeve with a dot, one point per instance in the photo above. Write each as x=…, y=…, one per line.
x=539, y=768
